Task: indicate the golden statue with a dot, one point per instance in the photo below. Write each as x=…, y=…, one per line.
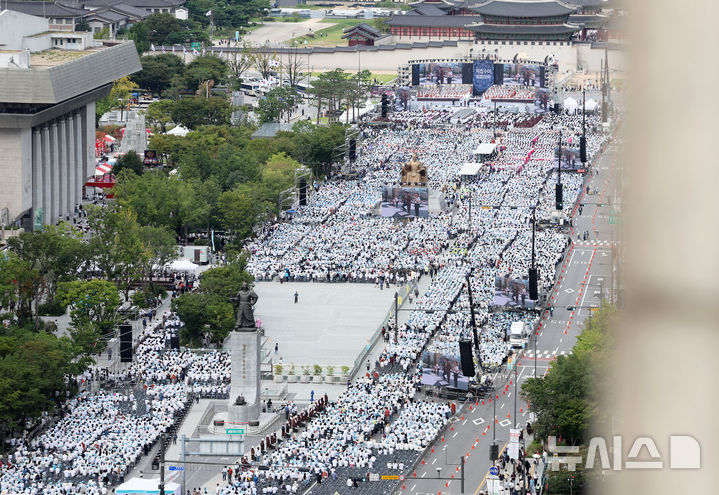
x=414, y=173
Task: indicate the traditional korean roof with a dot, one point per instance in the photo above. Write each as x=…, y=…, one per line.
x=523, y=28
x=362, y=29
x=432, y=21
x=427, y=10
x=523, y=8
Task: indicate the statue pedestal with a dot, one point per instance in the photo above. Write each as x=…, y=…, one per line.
x=244, y=349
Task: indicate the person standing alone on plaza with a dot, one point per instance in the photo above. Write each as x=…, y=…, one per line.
x=296, y=297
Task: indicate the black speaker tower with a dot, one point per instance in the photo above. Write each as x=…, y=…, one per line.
x=303, y=192
x=466, y=358
x=175, y=340
x=533, y=291
x=353, y=149
x=558, y=194
x=125, y=343
x=385, y=103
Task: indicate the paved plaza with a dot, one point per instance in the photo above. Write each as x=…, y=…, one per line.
x=328, y=326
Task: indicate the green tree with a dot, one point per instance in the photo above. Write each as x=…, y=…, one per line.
x=153, y=196
x=565, y=400
x=33, y=367
x=316, y=145
x=129, y=161
x=158, y=71
x=119, y=97
x=159, y=246
x=160, y=26
x=244, y=59
x=159, y=113
x=83, y=26
x=226, y=281
x=278, y=102
x=104, y=34
x=197, y=111
x=210, y=310
x=21, y=284
x=238, y=211
x=329, y=88
x=140, y=34
x=116, y=246
x=45, y=257
x=278, y=174
x=202, y=69
x=92, y=302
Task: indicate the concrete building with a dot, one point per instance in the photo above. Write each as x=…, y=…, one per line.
x=47, y=115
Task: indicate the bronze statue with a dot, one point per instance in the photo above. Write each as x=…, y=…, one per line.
x=414, y=173
x=246, y=298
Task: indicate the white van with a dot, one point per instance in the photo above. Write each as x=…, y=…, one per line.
x=517, y=334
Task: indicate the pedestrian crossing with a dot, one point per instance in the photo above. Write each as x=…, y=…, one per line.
x=529, y=353
x=599, y=243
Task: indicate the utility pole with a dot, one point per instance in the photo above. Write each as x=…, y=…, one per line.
x=182, y=459
x=162, y=464
x=469, y=227
x=396, y=312
x=536, y=337
x=516, y=365
x=494, y=120
x=461, y=463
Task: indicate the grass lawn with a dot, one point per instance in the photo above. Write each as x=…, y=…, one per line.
x=329, y=36
x=381, y=78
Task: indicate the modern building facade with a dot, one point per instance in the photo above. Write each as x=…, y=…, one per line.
x=47, y=117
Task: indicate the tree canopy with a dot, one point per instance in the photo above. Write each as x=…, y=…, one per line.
x=566, y=399
x=209, y=313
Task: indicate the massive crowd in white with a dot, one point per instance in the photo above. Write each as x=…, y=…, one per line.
x=337, y=237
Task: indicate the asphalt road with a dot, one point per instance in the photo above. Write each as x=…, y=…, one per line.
x=585, y=272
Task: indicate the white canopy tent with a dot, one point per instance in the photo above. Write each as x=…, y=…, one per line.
x=470, y=169
x=178, y=131
x=185, y=266
x=141, y=486
x=570, y=104
x=485, y=149
x=590, y=105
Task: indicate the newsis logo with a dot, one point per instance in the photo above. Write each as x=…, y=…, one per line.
x=684, y=453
